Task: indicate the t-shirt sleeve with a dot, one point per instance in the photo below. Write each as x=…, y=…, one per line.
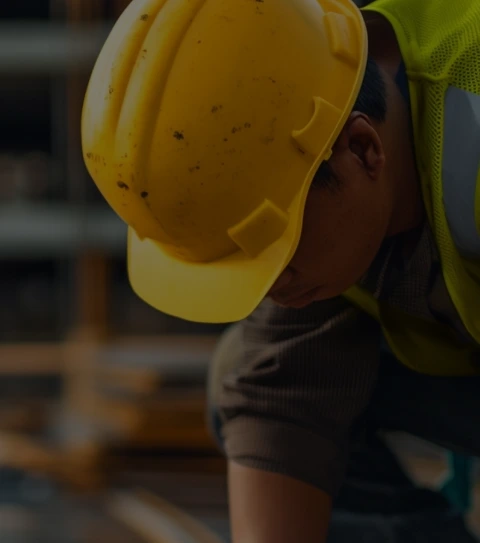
x=305, y=379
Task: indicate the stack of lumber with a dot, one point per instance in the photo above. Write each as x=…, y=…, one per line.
x=130, y=396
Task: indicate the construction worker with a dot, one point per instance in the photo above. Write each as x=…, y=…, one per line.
x=308, y=170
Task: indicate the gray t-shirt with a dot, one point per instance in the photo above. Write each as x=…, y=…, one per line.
x=307, y=375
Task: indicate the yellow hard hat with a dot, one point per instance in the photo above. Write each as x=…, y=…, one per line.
x=203, y=126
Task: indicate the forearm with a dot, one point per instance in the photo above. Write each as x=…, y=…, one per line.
x=272, y=508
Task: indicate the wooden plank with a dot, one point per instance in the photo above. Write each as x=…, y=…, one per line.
x=181, y=345
x=131, y=425
x=92, y=294
x=24, y=416
x=18, y=451
x=31, y=359
x=126, y=380
x=78, y=466
x=185, y=356
x=158, y=521
x=174, y=438
x=169, y=421
x=49, y=358
x=80, y=351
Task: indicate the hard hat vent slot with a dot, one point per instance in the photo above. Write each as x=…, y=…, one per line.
x=260, y=229
x=341, y=31
x=326, y=117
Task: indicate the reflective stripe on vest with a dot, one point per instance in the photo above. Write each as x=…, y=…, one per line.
x=461, y=158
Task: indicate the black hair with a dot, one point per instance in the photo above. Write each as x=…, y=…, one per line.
x=372, y=98
x=372, y=101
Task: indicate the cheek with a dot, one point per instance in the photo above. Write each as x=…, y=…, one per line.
x=336, y=250
x=316, y=256
x=354, y=253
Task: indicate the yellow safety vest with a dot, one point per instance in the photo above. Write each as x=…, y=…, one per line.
x=440, y=44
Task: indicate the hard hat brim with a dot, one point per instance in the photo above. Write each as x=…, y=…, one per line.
x=219, y=292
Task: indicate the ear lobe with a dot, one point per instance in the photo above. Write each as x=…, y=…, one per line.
x=374, y=155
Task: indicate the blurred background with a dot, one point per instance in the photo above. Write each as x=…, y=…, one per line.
x=99, y=393
x=102, y=399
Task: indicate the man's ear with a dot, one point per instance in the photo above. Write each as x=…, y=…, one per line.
x=360, y=140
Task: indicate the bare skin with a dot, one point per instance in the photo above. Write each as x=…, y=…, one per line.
x=271, y=508
x=379, y=194
x=380, y=197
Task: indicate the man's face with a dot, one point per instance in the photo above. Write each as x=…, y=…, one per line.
x=343, y=228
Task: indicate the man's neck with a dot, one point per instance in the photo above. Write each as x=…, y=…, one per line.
x=406, y=195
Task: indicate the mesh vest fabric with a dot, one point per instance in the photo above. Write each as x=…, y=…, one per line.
x=439, y=45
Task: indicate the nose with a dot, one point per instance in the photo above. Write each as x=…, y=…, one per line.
x=282, y=282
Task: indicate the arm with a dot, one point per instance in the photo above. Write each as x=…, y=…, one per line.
x=272, y=508
x=302, y=381
x=289, y=408
x=288, y=405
